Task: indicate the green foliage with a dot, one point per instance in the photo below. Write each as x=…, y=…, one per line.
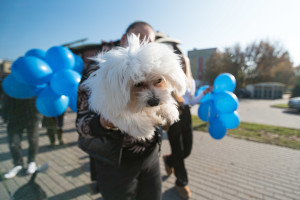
x=280, y=105
x=258, y=62
x=296, y=89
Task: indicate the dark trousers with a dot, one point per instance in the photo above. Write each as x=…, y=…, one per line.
x=15, y=132
x=54, y=127
x=180, y=136
x=52, y=131
x=138, y=179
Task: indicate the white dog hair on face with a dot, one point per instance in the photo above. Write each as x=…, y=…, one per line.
x=132, y=87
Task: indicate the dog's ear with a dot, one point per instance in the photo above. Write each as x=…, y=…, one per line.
x=177, y=80
x=166, y=63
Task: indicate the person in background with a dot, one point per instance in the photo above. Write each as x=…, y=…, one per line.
x=180, y=134
x=20, y=115
x=126, y=168
x=54, y=127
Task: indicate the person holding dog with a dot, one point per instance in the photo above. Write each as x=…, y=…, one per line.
x=126, y=167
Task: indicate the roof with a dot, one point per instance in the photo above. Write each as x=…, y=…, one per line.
x=269, y=84
x=89, y=46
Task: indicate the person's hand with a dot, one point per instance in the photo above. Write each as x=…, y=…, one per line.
x=179, y=99
x=208, y=90
x=107, y=124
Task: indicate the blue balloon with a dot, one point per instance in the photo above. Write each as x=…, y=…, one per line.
x=51, y=104
x=16, y=89
x=31, y=70
x=226, y=102
x=224, y=82
x=39, y=88
x=207, y=111
x=216, y=129
x=230, y=120
x=201, y=89
x=73, y=103
x=36, y=53
x=59, y=57
x=79, y=64
x=65, y=82
x=208, y=96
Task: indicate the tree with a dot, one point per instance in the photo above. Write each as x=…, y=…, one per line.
x=259, y=62
x=213, y=67
x=231, y=61
x=296, y=89
x=268, y=63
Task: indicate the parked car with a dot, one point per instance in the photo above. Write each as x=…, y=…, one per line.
x=242, y=93
x=294, y=103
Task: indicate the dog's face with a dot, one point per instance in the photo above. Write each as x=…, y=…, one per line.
x=151, y=92
x=132, y=87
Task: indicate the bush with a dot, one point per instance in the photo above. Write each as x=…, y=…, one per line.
x=296, y=91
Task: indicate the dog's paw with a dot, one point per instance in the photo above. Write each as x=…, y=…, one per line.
x=138, y=125
x=142, y=132
x=169, y=114
x=173, y=118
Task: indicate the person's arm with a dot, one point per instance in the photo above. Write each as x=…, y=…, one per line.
x=196, y=99
x=88, y=122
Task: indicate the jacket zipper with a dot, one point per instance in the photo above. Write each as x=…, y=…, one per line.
x=120, y=156
x=121, y=153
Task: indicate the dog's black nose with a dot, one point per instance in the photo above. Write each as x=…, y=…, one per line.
x=153, y=102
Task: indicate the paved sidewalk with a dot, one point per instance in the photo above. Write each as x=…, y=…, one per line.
x=228, y=169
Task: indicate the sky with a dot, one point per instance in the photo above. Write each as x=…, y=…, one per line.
x=199, y=24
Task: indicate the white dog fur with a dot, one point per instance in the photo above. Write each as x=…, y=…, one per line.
x=140, y=67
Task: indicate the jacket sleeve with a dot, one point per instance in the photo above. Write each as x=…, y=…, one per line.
x=98, y=142
x=87, y=121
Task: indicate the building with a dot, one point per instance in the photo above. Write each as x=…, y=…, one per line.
x=269, y=90
x=5, y=66
x=198, y=58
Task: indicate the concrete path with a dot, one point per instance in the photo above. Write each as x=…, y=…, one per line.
x=229, y=169
x=260, y=111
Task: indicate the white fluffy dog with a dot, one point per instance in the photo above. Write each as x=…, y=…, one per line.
x=132, y=87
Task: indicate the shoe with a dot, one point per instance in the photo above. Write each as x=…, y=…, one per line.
x=13, y=172
x=31, y=168
x=184, y=192
x=169, y=170
x=51, y=145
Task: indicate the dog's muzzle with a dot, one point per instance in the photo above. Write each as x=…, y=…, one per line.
x=153, y=102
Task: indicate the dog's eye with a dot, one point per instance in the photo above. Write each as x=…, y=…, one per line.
x=157, y=82
x=141, y=84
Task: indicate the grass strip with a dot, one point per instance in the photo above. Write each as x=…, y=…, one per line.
x=286, y=137
x=281, y=105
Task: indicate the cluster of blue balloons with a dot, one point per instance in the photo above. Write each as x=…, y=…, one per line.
x=219, y=107
x=52, y=76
